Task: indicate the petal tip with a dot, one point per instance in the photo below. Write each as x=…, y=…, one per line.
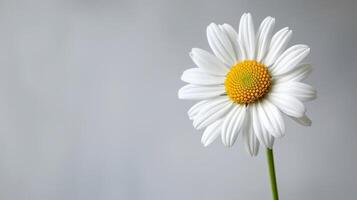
x=205, y=143
x=252, y=153
x=179, y=94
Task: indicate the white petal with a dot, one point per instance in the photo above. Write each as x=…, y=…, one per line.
x=233, y=35
x=208, y=62
x=195, y=92
x=220, y=44
x=233, y=124
x=271, y=118
x=277, y=45
x=250, y=140
x=302, y=91
x=211, y=133
x=288, y=104
x=195, y=109
x=240, y=39
x=213, y=111
x=298, y=74
x=197, y=76
x=248, y=36
x=290, y=59
x=304, y=120
x=259, y=131
x=263, y=37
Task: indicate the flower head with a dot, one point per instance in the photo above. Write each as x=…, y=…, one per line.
x=247, y=83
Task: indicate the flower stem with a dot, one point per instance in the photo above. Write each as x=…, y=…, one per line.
x=274, y=187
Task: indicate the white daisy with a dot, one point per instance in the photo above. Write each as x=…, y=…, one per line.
x=247, y=84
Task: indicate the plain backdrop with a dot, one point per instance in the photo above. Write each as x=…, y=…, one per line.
x=89, y=108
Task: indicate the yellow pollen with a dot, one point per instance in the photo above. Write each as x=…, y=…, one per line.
x=247, y=81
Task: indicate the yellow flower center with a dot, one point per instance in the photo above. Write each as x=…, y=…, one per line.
x=247, y=81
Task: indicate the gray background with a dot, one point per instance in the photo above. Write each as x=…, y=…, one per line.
x=89, y=108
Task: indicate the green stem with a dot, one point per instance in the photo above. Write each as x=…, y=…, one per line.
x=274, y=187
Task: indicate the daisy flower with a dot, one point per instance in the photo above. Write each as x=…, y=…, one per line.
x=247, y=84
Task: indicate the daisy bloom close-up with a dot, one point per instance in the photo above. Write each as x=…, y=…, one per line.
x=247, y=84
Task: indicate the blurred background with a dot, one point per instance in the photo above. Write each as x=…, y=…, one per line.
x=89, y=108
